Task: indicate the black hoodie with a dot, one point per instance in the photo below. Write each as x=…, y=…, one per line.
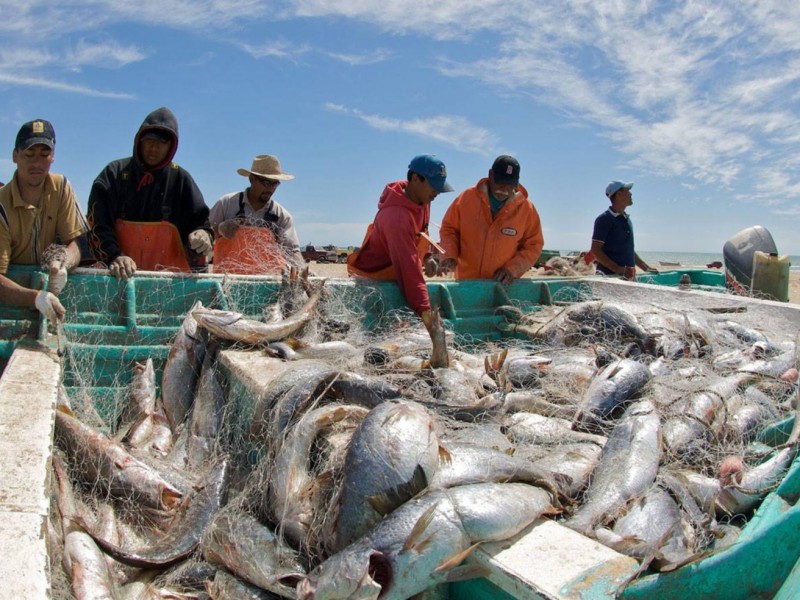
x=127, y=189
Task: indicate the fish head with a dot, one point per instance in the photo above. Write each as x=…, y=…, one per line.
x=354, y=575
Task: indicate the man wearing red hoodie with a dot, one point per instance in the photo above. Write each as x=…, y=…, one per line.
x=145, y=211
x=397, y=240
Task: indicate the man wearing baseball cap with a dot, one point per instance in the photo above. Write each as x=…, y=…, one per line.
x=397, y=240
x=492, y=230
x=146, y=211
x=37, y=210
x=612, y=239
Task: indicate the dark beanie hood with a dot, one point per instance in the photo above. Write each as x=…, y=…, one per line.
x=163, y=121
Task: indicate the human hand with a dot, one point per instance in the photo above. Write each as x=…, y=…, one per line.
x=448, y=265
x=122, y=267
x=200, y=241
x=504, y=276
x=629, y=273
x=651, y=270
x=57, y=279
x=47, y=304
x=228, y=229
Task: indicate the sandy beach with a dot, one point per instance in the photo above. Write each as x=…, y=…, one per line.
x=334, y=271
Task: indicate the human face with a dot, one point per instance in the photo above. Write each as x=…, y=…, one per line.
x=153, y=151
x=33, y=165
x=262, y=188
x=622, y=200
x=420, y=191
x=501, y=191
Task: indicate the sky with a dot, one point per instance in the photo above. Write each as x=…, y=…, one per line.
x=697, y=103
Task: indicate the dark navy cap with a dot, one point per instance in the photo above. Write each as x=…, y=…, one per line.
x=35, y=132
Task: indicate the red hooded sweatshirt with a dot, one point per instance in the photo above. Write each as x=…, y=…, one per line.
x=393, y=241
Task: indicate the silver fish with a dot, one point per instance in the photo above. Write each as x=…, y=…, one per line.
x=301, y=372
x=233, y=326
x=393, y=454
x=206, y=416
x=651, y=530
x=612, y=387
x=141, y=399
x=743, y=489
x=182, y=369
x=292, y=483
x=530, y=428
x=225, y=586
x=467, y=463
x=439, y=358
x=571, y=466
x=422, y=543
x=696, y=418
x=252, y=551
x=85, y=564
x=104, y=462
x=628, y=466
x=183, y=537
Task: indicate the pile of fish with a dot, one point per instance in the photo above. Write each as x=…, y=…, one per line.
x=361, y=472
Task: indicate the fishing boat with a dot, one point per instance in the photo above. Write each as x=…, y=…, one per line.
x=112, y=324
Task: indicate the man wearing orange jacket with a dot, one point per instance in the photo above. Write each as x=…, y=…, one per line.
x=492, y=230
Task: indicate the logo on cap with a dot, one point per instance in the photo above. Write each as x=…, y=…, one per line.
x=38, y=127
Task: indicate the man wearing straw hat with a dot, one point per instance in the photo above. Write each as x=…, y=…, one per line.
x=255, y=234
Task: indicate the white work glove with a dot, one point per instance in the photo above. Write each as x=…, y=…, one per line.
x=200, y=241
x=58, y=278
x=47, y=304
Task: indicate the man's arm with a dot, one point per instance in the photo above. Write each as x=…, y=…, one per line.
x=601, y=257
x=641, y=264
x=45, y=302
x=102, y=213
x=16, y=295
x=530, y=246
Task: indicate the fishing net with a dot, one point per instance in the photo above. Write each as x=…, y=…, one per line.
x=270, y=398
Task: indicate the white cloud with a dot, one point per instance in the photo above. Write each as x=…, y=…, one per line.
x=451, y=130
x=361, y=59
x=278, y=49
x=110, y=55
x=47, y=83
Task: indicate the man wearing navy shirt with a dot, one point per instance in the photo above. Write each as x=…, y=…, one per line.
x=612, y=239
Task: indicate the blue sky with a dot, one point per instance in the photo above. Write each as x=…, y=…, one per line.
x=696, y=102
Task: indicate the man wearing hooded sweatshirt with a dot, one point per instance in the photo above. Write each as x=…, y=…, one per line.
x=492, y=230
x=397, y=241
x=145, y=211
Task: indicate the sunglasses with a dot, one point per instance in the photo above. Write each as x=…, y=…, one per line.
x=267, y=182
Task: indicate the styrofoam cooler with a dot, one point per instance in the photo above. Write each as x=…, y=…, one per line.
x=770, y=276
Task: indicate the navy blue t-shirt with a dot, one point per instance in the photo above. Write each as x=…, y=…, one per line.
x=616, y=233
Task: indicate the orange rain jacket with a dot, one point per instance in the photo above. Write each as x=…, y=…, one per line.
x=482, y=245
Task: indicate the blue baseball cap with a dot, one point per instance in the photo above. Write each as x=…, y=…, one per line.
x=615, y=186
x=432, y=169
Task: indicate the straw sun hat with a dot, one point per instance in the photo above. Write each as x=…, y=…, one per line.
x=266, y=165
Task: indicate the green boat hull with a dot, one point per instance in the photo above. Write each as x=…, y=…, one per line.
x=111, y=325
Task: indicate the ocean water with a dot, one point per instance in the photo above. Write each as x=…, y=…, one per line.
x=691, y=259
